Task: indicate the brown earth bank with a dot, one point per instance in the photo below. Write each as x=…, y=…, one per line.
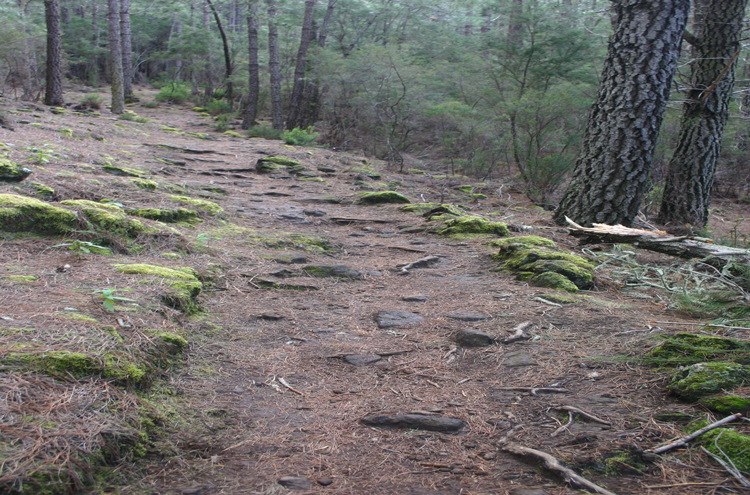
x=314, y=360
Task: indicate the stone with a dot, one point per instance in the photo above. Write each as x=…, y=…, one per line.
x=324, y=481
x=414, y=299
x=472, y=338
x=518, y=359
x=703, y=379
x=527, y=491
x=326, y=169
x=362, y=359
x=295, y=483
x=283, y=273
x=289, y=258
x=468, y=316
x=431, y=422
x=314, y=213
x=389, y=318
x=333, y=271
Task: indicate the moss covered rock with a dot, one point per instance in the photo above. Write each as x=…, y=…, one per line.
x=471, y=225
x=175, y=215
x=727, y=404
x=333, y=271
x=24, y=214
x=12, y=172
x=274, y=163
x=110, y=218
x=383, y=197
x=125, y=171
x=529, y=262
x=145, y=184
x=727, y=442
x=204, y=205
x=525, y=240
x=41, y=190
x=687, y=348
x=552, y=280
x=703, y=379
x=182, y=284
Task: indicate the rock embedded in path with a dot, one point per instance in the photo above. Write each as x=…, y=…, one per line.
x=417, y=298
x=314, y=213
x=389, y=318
x=333, y=271
x=362, y=359
x=467, y=337
x=415, y=421
x=295, y=483
x=518, y=359
x=468, y=316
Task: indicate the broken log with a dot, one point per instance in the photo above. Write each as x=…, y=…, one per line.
x=687, y=247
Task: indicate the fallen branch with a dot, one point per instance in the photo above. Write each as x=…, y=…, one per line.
x=519, y=333
x=284, y=382
x=554, y=465
x=534, y=390
x=563, y=427
x=684, y=440
x=730, y=469
x=583, y=413
x=681, y=246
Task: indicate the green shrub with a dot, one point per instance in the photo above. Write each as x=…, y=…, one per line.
x=264, y=131
x=150, y=104
x=174, y=93
x=300, y=137
x=92, y=100
x=218, y=107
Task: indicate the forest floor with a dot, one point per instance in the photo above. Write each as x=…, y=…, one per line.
x=267, y=387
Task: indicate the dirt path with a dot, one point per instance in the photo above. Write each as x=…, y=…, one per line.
x=269, y=388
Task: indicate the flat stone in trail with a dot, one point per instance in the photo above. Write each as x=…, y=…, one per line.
x=362, y=359
x=415, y=421
x=468, y=316
x=295, y=483
x=471, y=338
x=518, y=359
x=333, y=271
x=416, y=298
x=289, y=258
x=389, y=318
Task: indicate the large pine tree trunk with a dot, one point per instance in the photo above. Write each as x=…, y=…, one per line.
x=115, y=58
x=613, y=166
x=274, y=68
x=54, y=92
x=127, y=49
x=690, y=175
x=251, y=111
x=299, y=72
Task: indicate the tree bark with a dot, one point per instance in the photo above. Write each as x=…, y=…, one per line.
x=227, y=57
x=251, y=111
x=690, y=174
x=610, y=175
x=127, y=49
x=515, y=25
x=115, y=58
x=311, y=108
x=53, y=94
x=274, y=68
x=299, y=72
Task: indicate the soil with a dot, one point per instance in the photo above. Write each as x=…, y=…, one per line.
x=266, y=389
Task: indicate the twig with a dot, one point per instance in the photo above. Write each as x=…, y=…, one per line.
x=534, y=390
x=519, y=333
x=684, y=440
x=284, y=382
x=554, y=465
x=550, y=303
x=730, y=469
x=583, y=413
x=565, y=426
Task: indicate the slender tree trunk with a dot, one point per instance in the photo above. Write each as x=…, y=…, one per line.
x=274, y=68
x=54, y=92
x=227, y=55
x=299, y=72
x=690, y=175
x=515, y=25
x=311, y=109
x=613, y=166
x=127, y=49
x=251, y=112
x=93, y=69
x=115, y=58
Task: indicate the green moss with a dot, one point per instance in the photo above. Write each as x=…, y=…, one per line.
x=561, y=298
x=433, y=209
x=526, y=240
x=623, y=462
x=274, y=163
x=21, y=214
x=233, y=134
x=727, y=442
x=66, y=132
x=472, y=225
x=145, y=184
x=528, y=262
x=727, y=404
x=171, y=256
x=702, y=379
x=18, y=279
x=112, y=332
x=120, y=369
x=42, y=190
x=110, y=218
x=469, y=188
x=176, y=215
x=182, y=281
x=78, y=317
x=383, y=197
x=90, y=204
x=77, y=364
x=552, y=280
x=687, y=348
x=200, y=204
x=333, y=271
x=311, y=179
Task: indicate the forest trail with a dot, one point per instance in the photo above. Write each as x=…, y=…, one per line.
x=284, y=361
